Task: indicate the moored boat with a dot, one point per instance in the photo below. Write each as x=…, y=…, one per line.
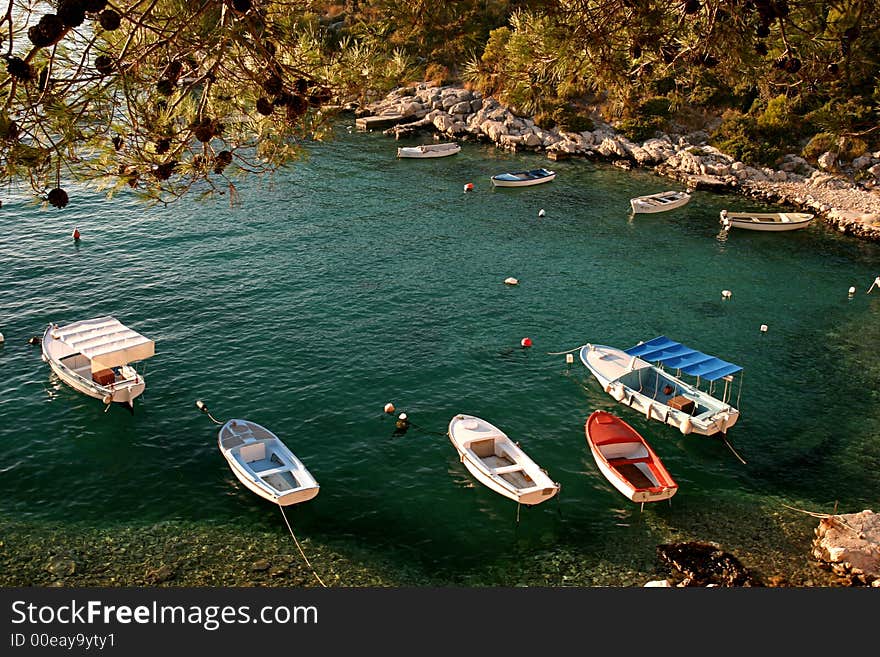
x=659, y=202
x=766, y=221
x=429, y=150
x=94, y=356
x=629, y=377
x=626, y=459
x=498, y=463
x=523, y=178
x=264, y=464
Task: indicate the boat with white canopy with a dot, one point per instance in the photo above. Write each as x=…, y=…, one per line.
x=629, y=376
x=94, y=356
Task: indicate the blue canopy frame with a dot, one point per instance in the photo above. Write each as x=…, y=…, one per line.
x=681, y=357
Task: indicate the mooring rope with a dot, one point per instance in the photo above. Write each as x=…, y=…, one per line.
x=562, y=353
x=724, y=438
x=305, y=558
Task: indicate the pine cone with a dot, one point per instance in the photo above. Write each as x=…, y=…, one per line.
x=57, y=197
x=109, y=20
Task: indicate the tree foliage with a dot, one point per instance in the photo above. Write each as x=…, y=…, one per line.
x=159, y=96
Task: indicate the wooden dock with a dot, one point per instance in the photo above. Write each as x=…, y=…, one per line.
x=368, y=123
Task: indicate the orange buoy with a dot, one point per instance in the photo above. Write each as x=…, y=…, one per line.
x=76, y=233
x=526, y=342
x=469, y=187
x=389, y=408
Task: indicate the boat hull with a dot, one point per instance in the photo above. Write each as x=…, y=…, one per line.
x=767, y=222
x=645, y=479
x=428, y=151
x=505, y=469
x=500, y=181
x=643, y=204
x=613, y=368
x=123, y=393
x=264, y=465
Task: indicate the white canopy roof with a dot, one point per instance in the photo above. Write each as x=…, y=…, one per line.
x=105, y=341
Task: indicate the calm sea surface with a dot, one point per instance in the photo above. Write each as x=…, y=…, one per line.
x=358, y=279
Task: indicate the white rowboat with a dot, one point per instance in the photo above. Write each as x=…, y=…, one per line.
x=498, y=463
x=766, y=221
x=429, y=150
x=659, y=202
x=264, y=464
x=523, y=178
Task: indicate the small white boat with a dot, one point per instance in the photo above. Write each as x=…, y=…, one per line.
x=631, y=380
x=497, y=462
x=93, y=356
x=429, y=150
x=627, y=460
x=264, y=464
x=659, y=202
x=523, y=178
x=766, y=221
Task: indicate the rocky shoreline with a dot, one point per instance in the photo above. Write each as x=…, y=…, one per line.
x=829, y=191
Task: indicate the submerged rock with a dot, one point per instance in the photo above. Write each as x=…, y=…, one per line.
x=849, y=545
x=705, y=564
x=61, y=565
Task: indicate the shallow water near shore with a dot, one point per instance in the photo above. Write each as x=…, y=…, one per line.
x=357, y=279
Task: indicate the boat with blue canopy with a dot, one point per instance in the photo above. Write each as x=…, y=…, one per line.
x=640, y=377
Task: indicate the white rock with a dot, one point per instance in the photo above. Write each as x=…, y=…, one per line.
x=827, y=160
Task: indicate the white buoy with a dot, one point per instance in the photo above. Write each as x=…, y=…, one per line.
x=686, y=426
x=725, y=294
x=510, y=280
x=852, y=290
x=389, y=408
x=2, y=339
x=541, y=212
x=402, y=416
x=569, y=358
x=763, y=328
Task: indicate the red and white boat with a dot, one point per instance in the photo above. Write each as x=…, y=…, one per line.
x=626, y=460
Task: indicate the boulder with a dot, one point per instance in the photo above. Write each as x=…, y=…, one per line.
x=493, y=130
x=705, y=564
x=443, y=122
x=827, y=160
x=849, y=544
x=612, y=148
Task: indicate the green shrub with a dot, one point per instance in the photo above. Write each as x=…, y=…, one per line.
x=571, y=120
x=655, y=106
x=640, y=129
x=820, y=143
x=777, y=121
x=739, y=136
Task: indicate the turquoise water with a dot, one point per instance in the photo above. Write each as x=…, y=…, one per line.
x=358, y=279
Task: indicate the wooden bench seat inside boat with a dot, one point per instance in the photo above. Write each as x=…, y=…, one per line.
x=507, y=469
